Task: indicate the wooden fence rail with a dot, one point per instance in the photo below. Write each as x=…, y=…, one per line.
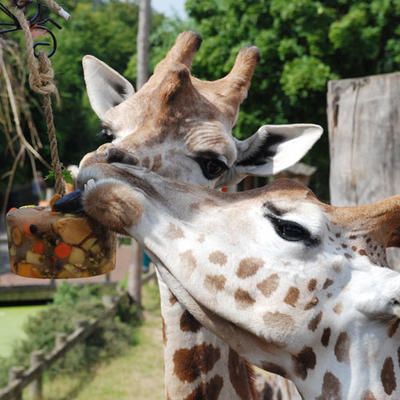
x=19, y=378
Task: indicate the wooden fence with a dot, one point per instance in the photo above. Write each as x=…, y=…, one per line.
x=20, y=378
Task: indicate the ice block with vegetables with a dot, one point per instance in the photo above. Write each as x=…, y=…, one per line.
x=44, y=243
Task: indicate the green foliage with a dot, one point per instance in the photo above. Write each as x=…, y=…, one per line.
x=106, y=30
x=73, y=303
x=303, y=44
x=66, y=174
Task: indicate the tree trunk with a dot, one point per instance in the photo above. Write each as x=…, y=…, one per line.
x=143, y=42
x=135, y=274
x=135, y=270
x=364, y=121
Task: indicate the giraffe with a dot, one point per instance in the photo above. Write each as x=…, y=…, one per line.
x=304, y=291
x=180, y=127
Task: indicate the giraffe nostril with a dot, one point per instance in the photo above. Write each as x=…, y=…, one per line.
x=395, y=302
x=116, y=155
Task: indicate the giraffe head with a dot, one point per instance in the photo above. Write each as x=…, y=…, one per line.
x=294, y=285
x=181, y=127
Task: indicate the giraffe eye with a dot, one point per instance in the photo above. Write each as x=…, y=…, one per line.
x=106, y=135
x=292, y=231
x=211, y=168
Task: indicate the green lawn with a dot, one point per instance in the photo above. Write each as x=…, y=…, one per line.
x=11, y=323
x=135, y=375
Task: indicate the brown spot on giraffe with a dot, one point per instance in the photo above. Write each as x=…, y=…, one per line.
x=188, y=260
x=312, y=303
x=392, y=328
x=189, y=364
x=313, y=324
x=172, y=299
x=269, y=285
x=157, y=162
x=331, y=388
x=304, y=361
x=368, y=395
x=207, y=390
x=338, y=308
x=337, y=268
x=188, y=323
x=292, y=296
x=312, y=284
x=243, y=298
x=342, y=347
x=249, y=267
x=174, y=232
x=274, y=368
x=398, y=356
x=237, y=369
x=388, y=377
x=279, y=322
x=214, y=283
x=194, y=206
x=218, y=257
x=326, y=335
x=328, y=282
x=146, y=162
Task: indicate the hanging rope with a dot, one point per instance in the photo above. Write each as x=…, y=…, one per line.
x=41, y=80
x=56, y=8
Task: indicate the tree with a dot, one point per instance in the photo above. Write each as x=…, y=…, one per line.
x=303, y=44
x=143, y=42
x=105, y=29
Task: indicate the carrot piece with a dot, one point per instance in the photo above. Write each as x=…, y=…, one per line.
x=62, y=250
x=27, y=229
x=38, y=247
x=11, y=210
x=28, y=270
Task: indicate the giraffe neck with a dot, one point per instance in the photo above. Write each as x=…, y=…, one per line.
x=197, y=363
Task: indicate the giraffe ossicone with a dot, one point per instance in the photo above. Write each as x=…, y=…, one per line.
x=181, y=128
x=305, y=290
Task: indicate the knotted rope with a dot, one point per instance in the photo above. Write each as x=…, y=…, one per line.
x=41, y=80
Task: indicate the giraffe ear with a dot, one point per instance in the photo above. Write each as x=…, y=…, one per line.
x=105, y=87
x=275, y=147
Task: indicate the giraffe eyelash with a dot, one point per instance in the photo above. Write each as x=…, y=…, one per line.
x=106, y=134
x=293, y=231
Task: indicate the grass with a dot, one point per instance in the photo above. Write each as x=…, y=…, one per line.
x=12, y=320
x=137, y=374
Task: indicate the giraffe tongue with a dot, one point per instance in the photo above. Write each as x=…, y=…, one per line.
x=70, y=203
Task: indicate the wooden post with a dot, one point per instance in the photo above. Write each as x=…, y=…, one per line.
x=81, y=324
x=61, y=339
x=135, y=274
x=16, y=373
x=364, y=120
x=36, y=388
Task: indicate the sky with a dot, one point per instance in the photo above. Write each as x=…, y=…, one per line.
x=170, y=7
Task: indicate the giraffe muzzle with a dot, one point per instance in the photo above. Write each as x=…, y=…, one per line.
x=381, y=301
